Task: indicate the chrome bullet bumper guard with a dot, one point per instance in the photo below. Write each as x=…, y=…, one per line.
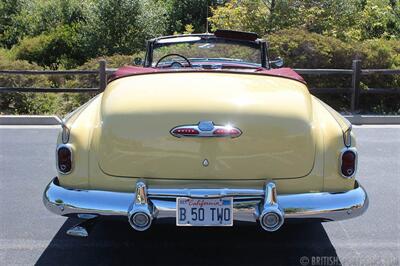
x=250, y=205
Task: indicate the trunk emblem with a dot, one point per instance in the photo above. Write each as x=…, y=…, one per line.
x=206, y=129
x=205, y=163
x=206, y=125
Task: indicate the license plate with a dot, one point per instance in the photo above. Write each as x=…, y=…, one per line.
x=204, y=212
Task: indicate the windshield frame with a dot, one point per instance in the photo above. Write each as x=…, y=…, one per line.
x=163, y=41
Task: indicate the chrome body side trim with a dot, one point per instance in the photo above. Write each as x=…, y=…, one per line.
x=206, y=193
x=65, y=133
x=347, y=137
x=248, y=203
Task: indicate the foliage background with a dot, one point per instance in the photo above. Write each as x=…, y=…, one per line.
x=74, y=34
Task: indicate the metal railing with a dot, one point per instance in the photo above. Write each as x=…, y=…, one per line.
x=102, y=73
x=355, y=72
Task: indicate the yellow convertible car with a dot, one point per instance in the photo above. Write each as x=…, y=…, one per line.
x=208, y=132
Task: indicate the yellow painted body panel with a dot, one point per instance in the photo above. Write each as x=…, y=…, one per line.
x=333, y=144
x=138, y=113
x=106, y=135
x=81, y=125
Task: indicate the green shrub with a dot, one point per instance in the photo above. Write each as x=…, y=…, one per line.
x=50, y=103
x=301, y=49
x=25, y=103
x=73, y=100
x=58, y=48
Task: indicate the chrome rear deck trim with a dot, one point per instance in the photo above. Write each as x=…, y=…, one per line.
x=205, y=193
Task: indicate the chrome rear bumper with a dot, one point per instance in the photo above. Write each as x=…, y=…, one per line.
x=249, y=204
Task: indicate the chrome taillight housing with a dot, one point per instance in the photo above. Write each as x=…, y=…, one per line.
x=64, y=158
x=348, y=162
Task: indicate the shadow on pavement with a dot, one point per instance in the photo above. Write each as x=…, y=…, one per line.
x=115, y=242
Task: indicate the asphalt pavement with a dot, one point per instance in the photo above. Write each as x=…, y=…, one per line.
x=29, y=234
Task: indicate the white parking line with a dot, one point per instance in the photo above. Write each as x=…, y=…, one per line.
x=28, y=126
x=376, y=126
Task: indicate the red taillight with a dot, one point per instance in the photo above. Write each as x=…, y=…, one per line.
x=64, y=159
x=348, y=163
x=186, y=131
x=233, y=132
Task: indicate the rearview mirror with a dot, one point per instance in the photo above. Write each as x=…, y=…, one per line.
x=137, y=61
x=277, y=63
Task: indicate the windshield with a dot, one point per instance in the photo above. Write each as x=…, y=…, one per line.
x=197, y=49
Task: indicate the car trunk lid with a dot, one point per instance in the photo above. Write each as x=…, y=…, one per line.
x=273, y=113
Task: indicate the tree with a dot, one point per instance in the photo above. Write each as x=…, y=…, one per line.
x=35, y=17
x=344, y=19
x=246, y=15
x=121, y=26
x=185, y=12
x=8, y=10
x=379, y=18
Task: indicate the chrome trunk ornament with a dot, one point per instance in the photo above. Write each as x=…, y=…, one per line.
x=206, y=125
x=206, y=129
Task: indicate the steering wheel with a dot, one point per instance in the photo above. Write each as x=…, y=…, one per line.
x=178, y=55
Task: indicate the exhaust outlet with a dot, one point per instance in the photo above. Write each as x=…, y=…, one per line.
x=272, y=217
x=140, y=214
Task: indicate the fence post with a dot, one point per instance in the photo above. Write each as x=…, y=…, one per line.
x=355, y=85
x=102, y=74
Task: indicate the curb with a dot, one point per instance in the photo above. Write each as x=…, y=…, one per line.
x=373, y=119
x=54, y=120
x=42, y=120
